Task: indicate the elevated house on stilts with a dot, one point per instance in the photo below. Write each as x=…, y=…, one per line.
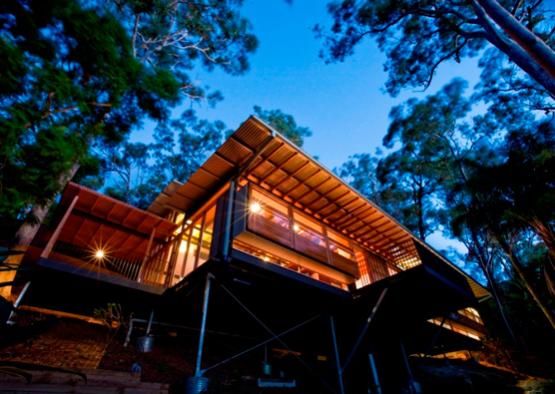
x=263, y=241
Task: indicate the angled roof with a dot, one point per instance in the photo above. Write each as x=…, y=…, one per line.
x=258, y=153
x=101, y=221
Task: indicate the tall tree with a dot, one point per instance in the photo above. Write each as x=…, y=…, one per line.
x=414, y=176
x=360, y=170
x=419, y=35
x=68, y=86
x=514, y=197
x=284, y=123
x=75, y=77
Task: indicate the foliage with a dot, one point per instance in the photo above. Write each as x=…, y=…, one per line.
x=360, y=172
x=478, y=178
x=111, y=316
x=82, y=74
x=137, y=172
x=284, y=123
x=419, y=35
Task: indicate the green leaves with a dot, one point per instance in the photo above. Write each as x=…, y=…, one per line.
x=82, y=74
x=419, y=35
x=284, y=123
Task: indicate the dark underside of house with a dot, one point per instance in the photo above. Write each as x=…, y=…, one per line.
x=252, y=303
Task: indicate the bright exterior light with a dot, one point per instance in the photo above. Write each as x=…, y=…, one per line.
x=99, y=254
x=266, y=258
x=255, y=207
x=182, y=247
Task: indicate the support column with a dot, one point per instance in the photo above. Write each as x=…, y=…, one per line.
x=337, y=359
x=50, y=245
x=376, y=380
x=147, y=255
x=228, y=221
x=205, y=301
x=412, y=384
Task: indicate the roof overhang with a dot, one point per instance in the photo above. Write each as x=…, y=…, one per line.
x=259, y=154
x=99, y=221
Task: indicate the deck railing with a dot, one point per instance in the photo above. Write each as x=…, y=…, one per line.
x=109, y=264
x=149, y=270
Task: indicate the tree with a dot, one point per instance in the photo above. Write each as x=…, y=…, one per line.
x=75, y=78
x=284, y=123
x=128, y=165
x=67, y=87
x=514, y=197
x=415, y=176
x=360, y=171
x=419, y=35
x=137, y=172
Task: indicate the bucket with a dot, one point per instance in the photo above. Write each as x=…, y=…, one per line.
x=196, y=385
x=145, y=343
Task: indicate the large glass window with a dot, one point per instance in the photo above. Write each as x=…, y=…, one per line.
x=273, y=219
x=269, y=218
x=309, y=237
x=194, y=248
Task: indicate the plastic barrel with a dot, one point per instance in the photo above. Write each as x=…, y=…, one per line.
x=196, y=385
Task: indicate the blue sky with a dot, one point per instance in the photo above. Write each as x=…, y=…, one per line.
x=343, y=103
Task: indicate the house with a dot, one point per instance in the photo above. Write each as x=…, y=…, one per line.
x=262, y=235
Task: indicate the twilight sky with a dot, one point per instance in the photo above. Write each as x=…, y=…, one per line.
x=341, y=103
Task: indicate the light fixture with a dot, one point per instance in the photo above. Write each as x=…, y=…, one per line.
x=296, y=228
x=266, y=258
x=99, y=254
x=255, y=207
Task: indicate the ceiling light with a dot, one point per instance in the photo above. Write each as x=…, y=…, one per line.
x=255, y=207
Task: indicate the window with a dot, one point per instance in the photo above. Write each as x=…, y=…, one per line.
x=194, y=248
x=207, y=233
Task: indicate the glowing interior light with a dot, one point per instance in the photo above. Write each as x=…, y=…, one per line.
x=266, y=258
x=99, y=254
x=296, y=228
x=183, y=247
x=255, y=207
x=189, y=221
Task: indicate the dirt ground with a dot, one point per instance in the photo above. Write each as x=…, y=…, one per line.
x=76, y=344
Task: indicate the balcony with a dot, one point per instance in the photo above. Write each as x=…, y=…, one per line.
x=278, y=233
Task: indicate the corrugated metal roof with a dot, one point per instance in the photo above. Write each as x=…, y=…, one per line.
x=261, y=155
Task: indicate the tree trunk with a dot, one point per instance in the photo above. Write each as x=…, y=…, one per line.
x=27, y=232
x=546, y=234
x=482, y=261
x=519, y=55
x=517, y=266
x=530, y=42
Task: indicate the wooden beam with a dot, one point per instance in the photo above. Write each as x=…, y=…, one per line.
x=344, y=207
x=291, y=176
x=147, y=254
x=50, y=245
x=302, y=182
x=267, y=159
x=278, y=167
x=298, y=199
